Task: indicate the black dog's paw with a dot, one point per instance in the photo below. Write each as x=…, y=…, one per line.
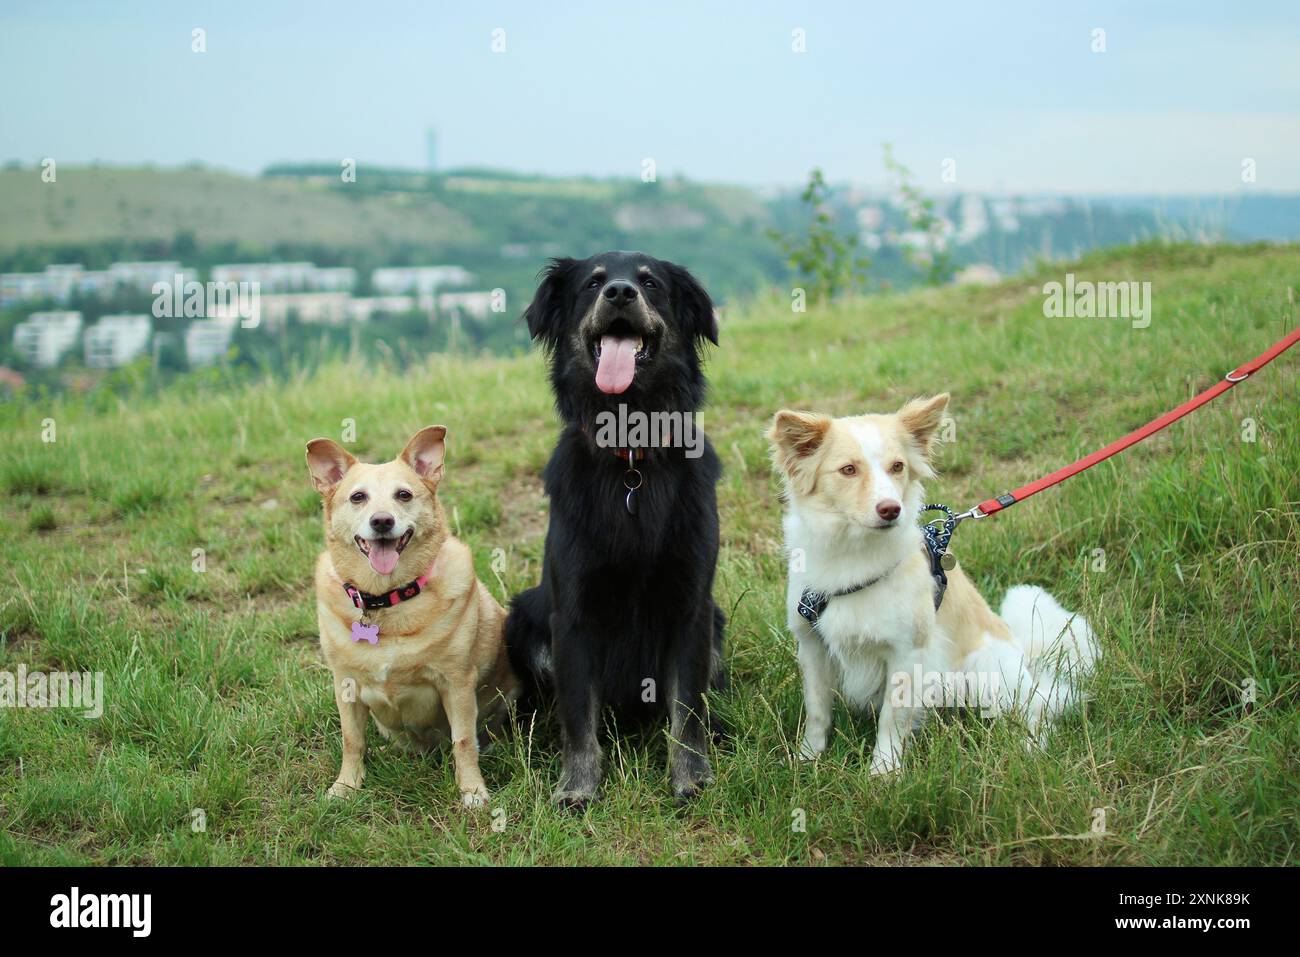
x=574, y=799
x=690, y=775
x=579, y=782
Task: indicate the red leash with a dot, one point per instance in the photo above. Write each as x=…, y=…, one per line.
x=1238, y=374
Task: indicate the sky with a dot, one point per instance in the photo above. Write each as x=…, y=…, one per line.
x=1005, y=97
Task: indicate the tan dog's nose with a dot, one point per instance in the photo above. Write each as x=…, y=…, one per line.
x=889, y=510
x=382, y=522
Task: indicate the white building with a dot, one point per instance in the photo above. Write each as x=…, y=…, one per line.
x=364, y=308
x=921, y=241
x=116, y=340
x=421, y=280
x=465, y=305
x=45, y=337
x=978, y=274
x=208, y=339
x=22, y=287
x=974, y=219
x=272, y=277
x=334, y=279
x=141, y=276
x=288, y=277
x=58, y=282
x=1004, y=211
x=99, y=284
x=870, y=219
x=61, y=280
x=329, y=308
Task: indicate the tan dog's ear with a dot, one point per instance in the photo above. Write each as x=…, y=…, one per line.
x=796, y=438
x=922, y=418
x=425, y=452
x=328, y=462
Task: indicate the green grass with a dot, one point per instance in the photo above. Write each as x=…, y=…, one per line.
x=216, y=697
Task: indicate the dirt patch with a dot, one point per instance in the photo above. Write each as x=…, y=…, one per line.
x=524, y=510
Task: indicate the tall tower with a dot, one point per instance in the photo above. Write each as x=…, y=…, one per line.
x=431, y=150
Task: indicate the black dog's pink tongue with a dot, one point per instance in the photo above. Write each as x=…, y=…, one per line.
x=383, y=555
x=617, y=364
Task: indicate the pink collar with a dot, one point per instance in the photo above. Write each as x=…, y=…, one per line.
x=368, y=602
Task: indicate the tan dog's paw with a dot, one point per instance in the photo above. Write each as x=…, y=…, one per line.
x=475, y=797
x=342, y=790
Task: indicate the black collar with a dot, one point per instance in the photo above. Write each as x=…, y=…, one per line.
x=629, y=455
x=812, y=602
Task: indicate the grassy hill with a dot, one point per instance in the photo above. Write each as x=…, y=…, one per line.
x=500, y=226
x=216, y=697
x=96, y=204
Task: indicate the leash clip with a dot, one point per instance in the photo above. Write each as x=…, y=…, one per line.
x=938, y=531
x=937, y=534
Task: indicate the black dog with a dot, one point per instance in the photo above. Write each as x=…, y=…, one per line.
x=624, y=616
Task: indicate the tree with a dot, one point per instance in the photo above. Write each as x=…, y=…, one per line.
x=826, y=259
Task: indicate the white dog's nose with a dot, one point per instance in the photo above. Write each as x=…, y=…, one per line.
x=888, y=509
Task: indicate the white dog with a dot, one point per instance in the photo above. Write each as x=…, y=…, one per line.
x=869, y=627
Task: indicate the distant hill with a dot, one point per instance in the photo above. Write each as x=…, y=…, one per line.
x=1243, y=217
x=213, y=209
x=503, y=226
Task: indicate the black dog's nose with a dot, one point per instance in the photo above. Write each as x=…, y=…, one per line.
x=382, y=522
x=620, y=292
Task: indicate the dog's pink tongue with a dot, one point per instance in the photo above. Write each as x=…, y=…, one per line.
x=617, y=364
x=383, y=557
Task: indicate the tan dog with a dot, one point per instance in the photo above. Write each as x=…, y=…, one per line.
x=411, y=634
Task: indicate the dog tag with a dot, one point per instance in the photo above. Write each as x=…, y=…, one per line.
x=363, y=632
x=632, y=472
x=948, y=562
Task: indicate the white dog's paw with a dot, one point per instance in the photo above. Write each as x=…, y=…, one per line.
x=810, y=750
x=475, y=797
x=882, y=765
